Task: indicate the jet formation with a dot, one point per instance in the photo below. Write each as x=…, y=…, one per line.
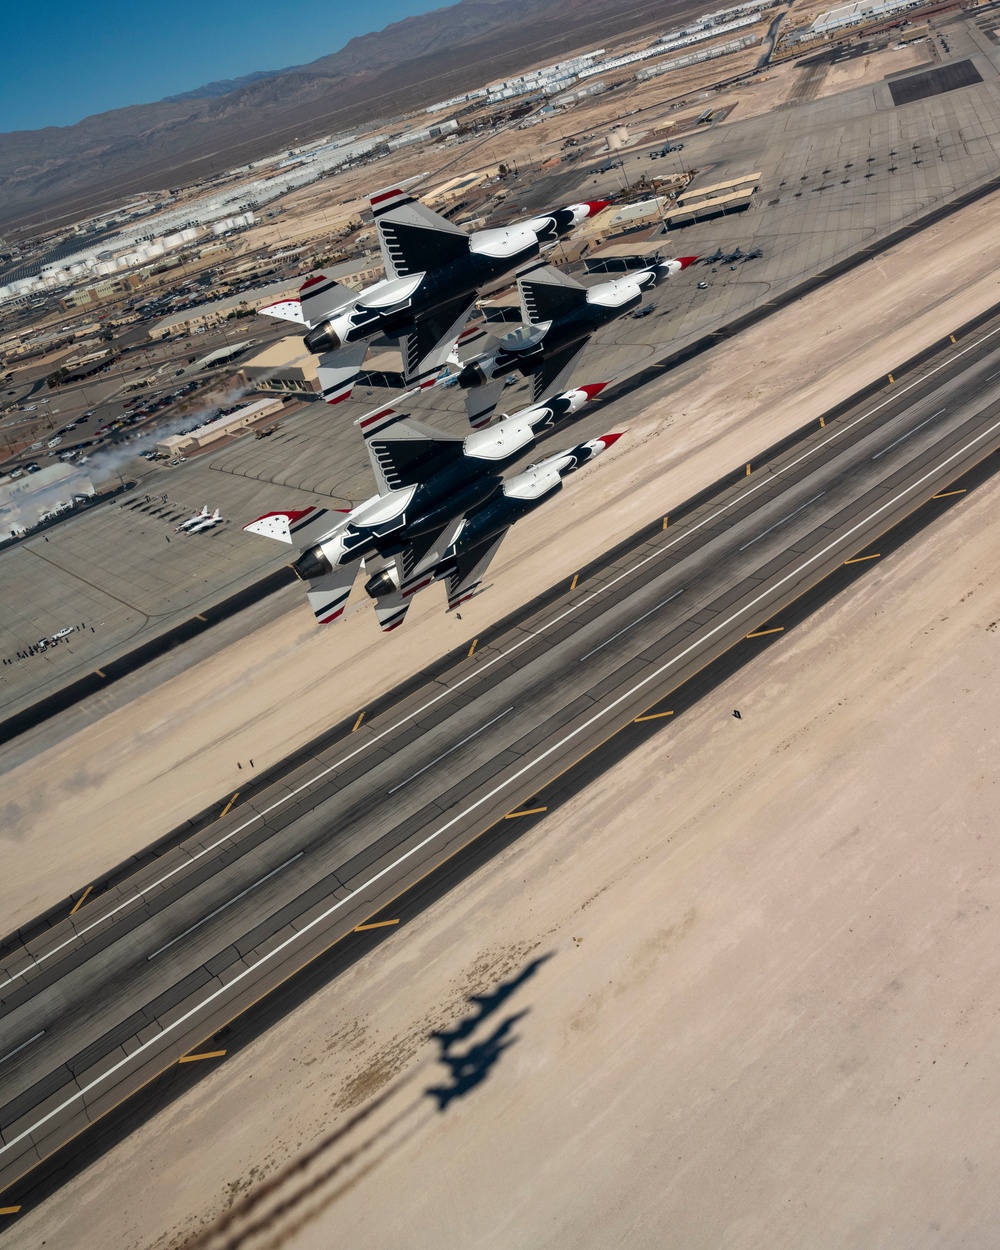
x=441, y=510
x=443, y=504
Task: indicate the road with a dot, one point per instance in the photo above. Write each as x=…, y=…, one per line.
x=143, y=975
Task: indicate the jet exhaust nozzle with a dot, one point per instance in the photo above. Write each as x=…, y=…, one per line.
x=311, y=564
x=379, y=585
x=323, y=338
x=472, y=375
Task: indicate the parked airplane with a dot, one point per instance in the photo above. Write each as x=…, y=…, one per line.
x=426, y=481
x=186, y=526
x=462, y=552
x=206, y=523
x=754, y=254
x=716, y=256
x=433, y=272
x=730, y=257
x=561, y=315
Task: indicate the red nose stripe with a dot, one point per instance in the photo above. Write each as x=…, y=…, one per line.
x=592, y=388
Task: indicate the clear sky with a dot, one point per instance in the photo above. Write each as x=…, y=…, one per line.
x=66, y=59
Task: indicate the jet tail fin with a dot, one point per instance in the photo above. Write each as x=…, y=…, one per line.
x=337, y=372
x=413, y=237
x=322, y=295
x=547, y=294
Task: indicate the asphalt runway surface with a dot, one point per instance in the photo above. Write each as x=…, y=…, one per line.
x=104, y=1002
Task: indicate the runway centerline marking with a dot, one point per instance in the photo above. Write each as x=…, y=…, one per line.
x=770, y=528
x=631, y=624
x=373, y=739
x=451, y=750
x=17, y=1049
x=83, y=1091
x=212, y=914
x=909, y=433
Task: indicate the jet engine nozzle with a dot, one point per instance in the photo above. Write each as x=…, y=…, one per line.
x=312, y=564
x=323, y=338
x=472, y=375
x=381, y=584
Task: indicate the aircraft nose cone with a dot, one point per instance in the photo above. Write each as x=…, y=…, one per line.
x=609, y=440
x=596, y=206
x=684, y=261
x=592, y=389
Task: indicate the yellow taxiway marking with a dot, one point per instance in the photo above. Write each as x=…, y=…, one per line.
x=748, y=470
x=528, y=811
x=81, y=900
x=10, y=1210
x=375, y=924
x=822, y=423
x=953, y=339
x=652, y=716
x=859, y=559
x=576, y=578
x=778, y=629
x=946, y=494
x=225, y=810
x=891, y=378
x=665, y=520
x=206, y=1054
x=357, y=723
x=199, y=617
x=99, y=673
x=473, y=647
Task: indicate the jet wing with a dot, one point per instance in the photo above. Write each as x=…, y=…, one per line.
x=432, y=342
x=470, y=569
x=404, y=452
x=547, y=294
x=338, y=371
x=556, y=370
x=285, y=310
x=412, y=237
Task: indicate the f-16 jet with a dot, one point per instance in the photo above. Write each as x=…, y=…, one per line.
x=434, y=271
x=716, y=256
x=427, y=481
x=462, y=553
x=561, y=315
x=192, y=521
x=205, y=523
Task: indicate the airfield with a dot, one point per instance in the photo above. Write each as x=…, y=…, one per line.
x=764, y=935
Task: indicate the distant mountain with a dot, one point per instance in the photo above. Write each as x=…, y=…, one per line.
x=223, y=87
x=72, y=170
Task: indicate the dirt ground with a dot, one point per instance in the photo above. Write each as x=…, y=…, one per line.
x=80, y=807
x=756, y=1011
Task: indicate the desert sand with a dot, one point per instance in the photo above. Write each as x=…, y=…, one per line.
x=753, y=1012
x=83, y=805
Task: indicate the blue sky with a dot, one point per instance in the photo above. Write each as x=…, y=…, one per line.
x=66, y=59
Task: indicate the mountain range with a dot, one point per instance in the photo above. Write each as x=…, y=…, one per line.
x=61, y=172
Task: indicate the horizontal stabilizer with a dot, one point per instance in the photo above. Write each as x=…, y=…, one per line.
x=556, y=370
x=431, y=344
x=547, y=294
x=294, y=525
x=481, y=402
x=285, y=310
x=470, y=569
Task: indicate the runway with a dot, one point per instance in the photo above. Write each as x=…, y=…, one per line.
x=144, y=974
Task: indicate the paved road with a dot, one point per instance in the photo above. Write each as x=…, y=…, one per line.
x=97, y=1005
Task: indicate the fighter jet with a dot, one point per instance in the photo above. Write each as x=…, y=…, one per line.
x=205, y=523
x=433, y=271
x=716, y=256
x=730, y=257
x=186, y=526
x=561, y=315
x=755, y=253
x=427, y=481
x=462, y=554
